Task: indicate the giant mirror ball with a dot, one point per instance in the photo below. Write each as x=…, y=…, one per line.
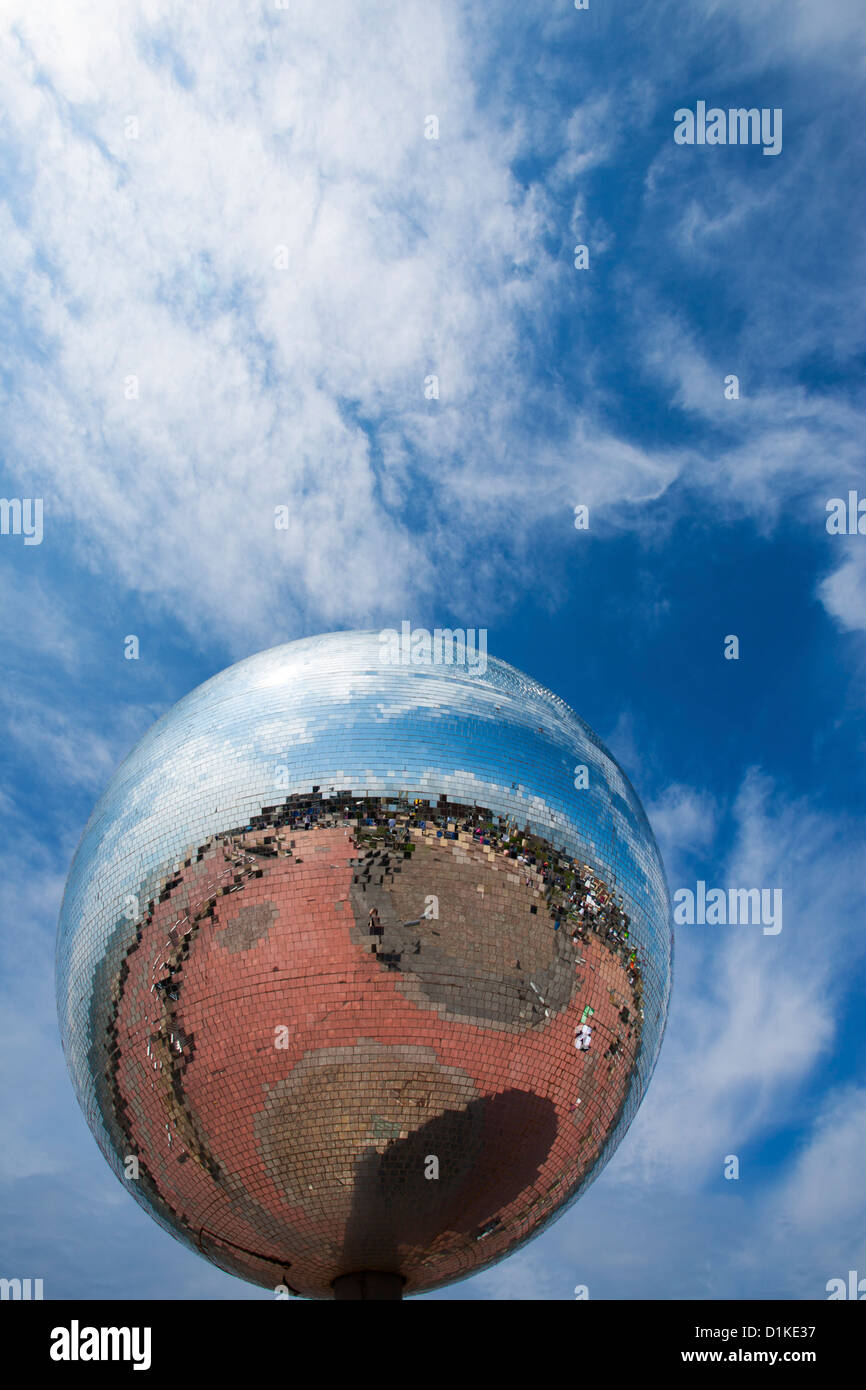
x=363, y=964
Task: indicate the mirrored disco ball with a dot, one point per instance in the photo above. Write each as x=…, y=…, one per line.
x=363, y=964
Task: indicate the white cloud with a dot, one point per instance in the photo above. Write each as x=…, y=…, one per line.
x=683, y=820
x=843, y=593
x=153, y=258
x=823, y=1199
x=748, y=1023
x=800, y=28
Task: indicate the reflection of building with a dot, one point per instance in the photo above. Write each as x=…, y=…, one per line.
x=314, y=1092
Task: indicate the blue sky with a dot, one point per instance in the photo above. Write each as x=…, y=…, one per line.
x=154, y=168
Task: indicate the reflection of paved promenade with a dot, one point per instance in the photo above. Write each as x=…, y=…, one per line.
x=448, y=1036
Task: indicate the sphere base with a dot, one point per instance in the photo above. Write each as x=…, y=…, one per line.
x=368, y=1284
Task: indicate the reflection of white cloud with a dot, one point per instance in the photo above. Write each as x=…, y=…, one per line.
x=275, y=723
x=219, y=755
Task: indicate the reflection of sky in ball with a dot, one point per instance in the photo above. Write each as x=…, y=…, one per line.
x=326, y=711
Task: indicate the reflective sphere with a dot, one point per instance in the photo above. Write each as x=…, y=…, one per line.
x=363, y=964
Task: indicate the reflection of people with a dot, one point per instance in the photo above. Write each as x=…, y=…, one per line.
x=375, y=924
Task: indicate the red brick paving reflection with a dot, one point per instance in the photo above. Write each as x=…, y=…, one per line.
x=300, y=1154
